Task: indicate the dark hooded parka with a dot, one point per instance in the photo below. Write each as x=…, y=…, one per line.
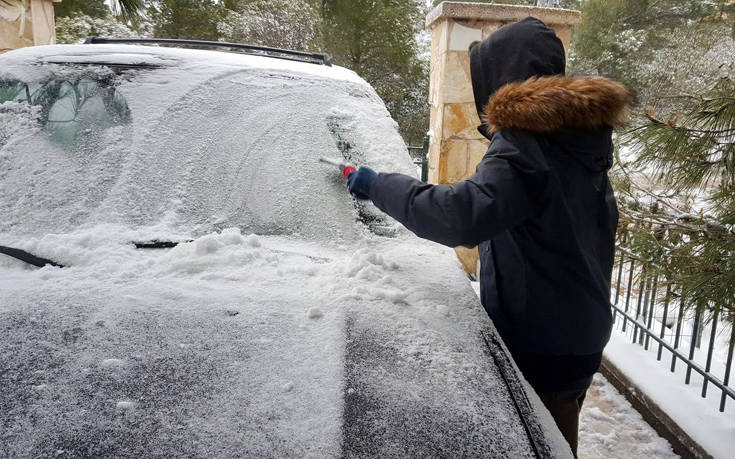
x=539, y=206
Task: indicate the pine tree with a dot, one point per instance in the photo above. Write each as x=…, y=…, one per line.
x=657, y=47
x=91, y=8
x=127, y=9
x=682, y=218
x=187, y=19
x=277, y=23
x=675, y=182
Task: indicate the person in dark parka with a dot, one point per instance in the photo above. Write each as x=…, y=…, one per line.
x=539, y=206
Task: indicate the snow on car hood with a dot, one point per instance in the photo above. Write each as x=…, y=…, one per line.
x=237, y=344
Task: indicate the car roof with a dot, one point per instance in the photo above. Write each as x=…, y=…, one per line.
x=153, y=56
x=278, y=53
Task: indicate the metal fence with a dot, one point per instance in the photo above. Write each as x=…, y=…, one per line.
x=658, y=317
x=420, y=156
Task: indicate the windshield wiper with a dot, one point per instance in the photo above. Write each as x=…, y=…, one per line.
x=156, y=244
x=28, y=257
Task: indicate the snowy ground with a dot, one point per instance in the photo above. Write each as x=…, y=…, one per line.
x=699, y=417
x=609, y=427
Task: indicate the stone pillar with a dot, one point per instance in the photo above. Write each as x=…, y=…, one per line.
x=26, y=23
x=456, y=146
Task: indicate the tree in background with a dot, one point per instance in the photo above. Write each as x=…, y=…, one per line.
x=683, y=219
x=187, y=19
x=127, y=9
x=277, y=23
x=659, y=47
x=675, y=171
x=79, y=19
x=91, y=8
x=377, y=39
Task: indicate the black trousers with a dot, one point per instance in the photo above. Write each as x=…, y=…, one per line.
x=565, y=407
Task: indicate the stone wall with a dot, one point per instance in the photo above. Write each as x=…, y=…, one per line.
x=26, y=23
x=456, y=146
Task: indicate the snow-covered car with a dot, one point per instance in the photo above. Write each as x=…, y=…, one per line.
x=207, y=288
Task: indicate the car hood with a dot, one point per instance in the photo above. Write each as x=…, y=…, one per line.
x=234, y=344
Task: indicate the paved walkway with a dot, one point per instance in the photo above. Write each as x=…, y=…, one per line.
x=609, y=427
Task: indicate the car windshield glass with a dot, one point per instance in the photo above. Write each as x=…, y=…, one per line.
x=158, y=148
x=72, y=112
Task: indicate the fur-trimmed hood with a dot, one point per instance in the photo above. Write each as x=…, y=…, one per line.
x=553, y=103
x=518, y=83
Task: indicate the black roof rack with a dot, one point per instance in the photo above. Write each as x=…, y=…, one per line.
x=313, y=58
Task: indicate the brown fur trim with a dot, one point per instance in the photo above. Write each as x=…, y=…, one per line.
x=548, y=104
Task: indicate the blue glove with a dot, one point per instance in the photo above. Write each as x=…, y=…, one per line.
x=360, y=181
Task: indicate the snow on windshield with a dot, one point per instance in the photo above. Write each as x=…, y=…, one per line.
x=212, y=149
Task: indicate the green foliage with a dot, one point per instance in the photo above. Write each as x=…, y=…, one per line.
x=277, y=23
x=187, y=19
x=688, y=157
x=363, y=33
x=74, y=29
x=91, y=8
x=126, y=9
x=377, y=39
x=658, y=47
x=694, y=149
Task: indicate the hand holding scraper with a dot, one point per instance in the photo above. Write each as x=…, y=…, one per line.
x=359, y=181
x=345, y=168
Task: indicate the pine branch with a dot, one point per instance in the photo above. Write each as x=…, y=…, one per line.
x=672, y=124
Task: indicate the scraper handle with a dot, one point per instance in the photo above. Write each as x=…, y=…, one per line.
x=348, y=170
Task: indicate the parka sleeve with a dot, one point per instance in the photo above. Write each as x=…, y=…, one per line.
x=509, y=186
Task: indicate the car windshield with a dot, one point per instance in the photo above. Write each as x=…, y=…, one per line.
x=147, y=147
x=72, y=112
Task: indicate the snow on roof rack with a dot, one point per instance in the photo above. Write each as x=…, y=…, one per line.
x=313, y=58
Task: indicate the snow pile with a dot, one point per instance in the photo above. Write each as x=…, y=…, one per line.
x=205, y=339
x=234, y=330
x=699, y=417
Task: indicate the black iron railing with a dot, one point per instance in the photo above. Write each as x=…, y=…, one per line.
x=420, y=156
x=659, y=316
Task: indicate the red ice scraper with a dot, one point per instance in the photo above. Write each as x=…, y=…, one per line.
x=344, y=167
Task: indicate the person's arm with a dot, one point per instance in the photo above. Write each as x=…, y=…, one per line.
x=509, y=187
